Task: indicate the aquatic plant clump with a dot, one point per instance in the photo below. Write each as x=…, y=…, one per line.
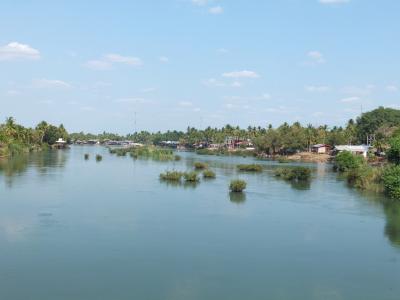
x=171, y=176
x=99, y=157
x=237, y=185
x=294, y=173
x=200, y=165
x=191, y=177
x=86, y=156
x=150, y=152
x=209, y=174
x=250, y=168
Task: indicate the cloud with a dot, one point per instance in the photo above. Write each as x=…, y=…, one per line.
x=98, y=65
x=317, y=88
x=222, y=51
x=186, y=103
x=131, y=100
x=50, y=83
x=108, y=60
x=13, y=92
x=200, y=2
x=350, y=99
x=241, y=74
x=359, y=91
x=236, y=84
x=128, y=60
x=316, y=57
x=17, y=51
x=216, y=10
x=392, y=88
x=163, y=59
x=333, y=1
x=213, y=83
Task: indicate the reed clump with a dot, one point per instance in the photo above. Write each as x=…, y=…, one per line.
x=250, y=168
x=237, y=186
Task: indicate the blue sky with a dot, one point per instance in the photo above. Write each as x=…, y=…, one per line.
x=179, y=63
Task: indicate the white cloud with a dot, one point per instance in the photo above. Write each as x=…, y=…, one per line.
x=333, y=1
x=13, y=92
x=222, y=51
x=359, y=91
x=216, y=10
x=213, y=82
x=109, y=60
x=317, y=88
x=266, y=96
x=129, y=60
x=131, y=100
x=49, y=83
x=186, y=103
x=236, y=84
x=392, y=88
x=241, y=74
x=200, y=2
x=350, y=99
x=316, y=57
x=163, y=59
x=98, y=65
x=17, y=51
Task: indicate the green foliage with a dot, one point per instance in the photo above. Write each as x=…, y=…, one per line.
x=250, y=168
x=200, y=166
x=99, y=157
x=294, y=173
x=171, y=176
x=86, y=156
x=394, y=150
x=177, y=157
x=149, y=152
x=209, y=174
x=365, y=177
x=346, y=161
x=191, y=177
x=283, y=160
x=391, y=181
x=370, y=122
x=237, y=185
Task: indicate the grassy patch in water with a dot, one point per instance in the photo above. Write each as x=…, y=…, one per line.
x=99, y=157
x=200, y=166
x=191, y=177
x=294, y=173
x=209, y=174
x=237, y=185
x=171, y=176
x=250, y=168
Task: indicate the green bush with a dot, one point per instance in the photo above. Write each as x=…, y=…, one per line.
x=209, y=174
x=283, y=160
x=391, y=181
x=99, y=157
x=171, y=176
x=346, y=161
x=177, y=158
x=366, y=178
x=250, y=168
x=237, y=185
x=294, y=173
x=191, y=177
x=86, y=156
x=394, y=150
x=200, y=165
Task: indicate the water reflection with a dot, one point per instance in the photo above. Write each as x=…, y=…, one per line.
x=14, y=167
x=238, y=198
x=301, y=185
x=392, y=227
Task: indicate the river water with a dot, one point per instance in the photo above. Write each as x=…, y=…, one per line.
x=87, y=230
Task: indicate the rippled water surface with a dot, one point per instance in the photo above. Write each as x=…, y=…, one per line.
x=76, y=229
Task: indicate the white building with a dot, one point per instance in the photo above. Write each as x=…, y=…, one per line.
x=355, y=149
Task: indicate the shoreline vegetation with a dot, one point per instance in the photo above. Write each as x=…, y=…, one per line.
x=377, y=171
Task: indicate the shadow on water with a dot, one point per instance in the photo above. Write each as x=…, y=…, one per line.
x=392, y=227
x=15, y=167
x=302, y=185
x=238, y=198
